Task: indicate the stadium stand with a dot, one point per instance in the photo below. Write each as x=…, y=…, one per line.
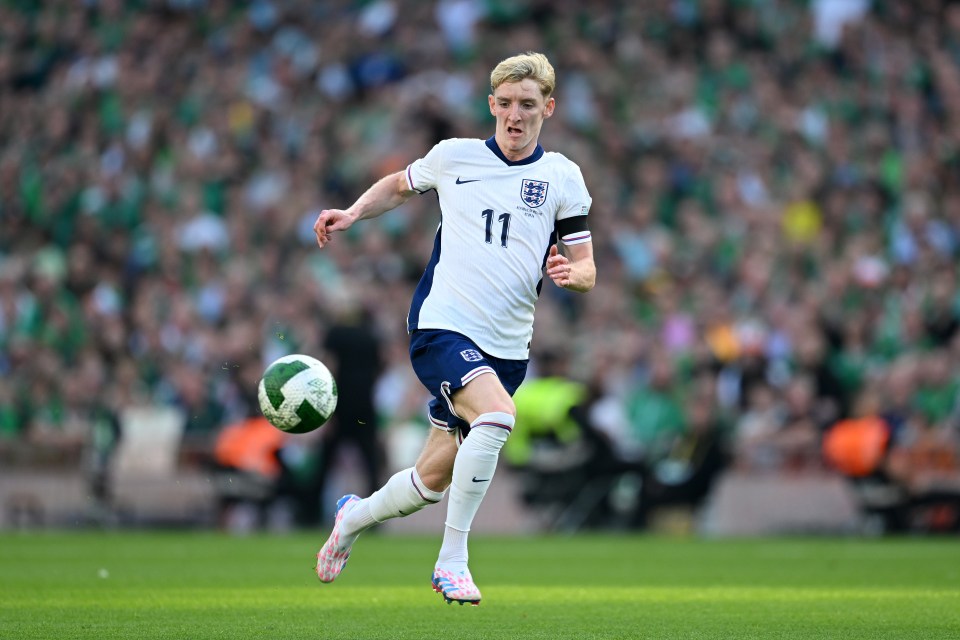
x=776, y=215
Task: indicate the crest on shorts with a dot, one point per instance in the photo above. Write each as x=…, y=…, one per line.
x=534, y=192
x=471, y=355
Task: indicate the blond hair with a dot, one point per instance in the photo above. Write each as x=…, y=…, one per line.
x=526, y=65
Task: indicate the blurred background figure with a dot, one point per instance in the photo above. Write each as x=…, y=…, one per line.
x=906, y=480
x=354, y=355
x=675, y=488
x=566, y=465
x=254, y=465
x=248, y=458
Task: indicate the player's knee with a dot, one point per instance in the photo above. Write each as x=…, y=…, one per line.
x=502, y=405
x=491, y=431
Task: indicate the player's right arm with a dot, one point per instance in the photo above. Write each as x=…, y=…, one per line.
x=387, y=193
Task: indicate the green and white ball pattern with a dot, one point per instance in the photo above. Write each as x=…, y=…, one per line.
x=297, y=393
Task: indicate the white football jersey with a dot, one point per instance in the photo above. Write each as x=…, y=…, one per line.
x=497, y=223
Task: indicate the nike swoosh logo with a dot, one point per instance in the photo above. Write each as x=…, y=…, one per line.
x=475, y=479
x=459, y=181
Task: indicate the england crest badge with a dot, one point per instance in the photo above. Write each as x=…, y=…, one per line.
x=534, y=192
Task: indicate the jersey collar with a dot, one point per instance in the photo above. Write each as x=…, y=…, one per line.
x=533, y=157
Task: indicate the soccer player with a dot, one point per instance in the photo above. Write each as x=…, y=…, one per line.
x=504, y=202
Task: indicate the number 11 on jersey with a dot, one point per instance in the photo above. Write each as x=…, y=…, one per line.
x=504, y=231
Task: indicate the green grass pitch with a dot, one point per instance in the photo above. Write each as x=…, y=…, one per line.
x=202, y=585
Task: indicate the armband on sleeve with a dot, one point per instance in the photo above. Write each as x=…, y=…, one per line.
x=573, y=230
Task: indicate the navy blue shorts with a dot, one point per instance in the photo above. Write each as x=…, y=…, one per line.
x=446, y=361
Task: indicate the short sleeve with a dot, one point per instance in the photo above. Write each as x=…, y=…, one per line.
x=422, y=174
x=575, y=200
x=574, y=206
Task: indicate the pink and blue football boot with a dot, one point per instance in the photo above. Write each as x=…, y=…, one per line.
x=335, y=552
x=456, y=586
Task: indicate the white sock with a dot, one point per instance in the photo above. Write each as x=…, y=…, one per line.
x=453, y=552
x=403, y=494
x=473, y=471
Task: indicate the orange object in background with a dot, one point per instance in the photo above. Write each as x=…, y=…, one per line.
x=250, y=445
x=857, y=446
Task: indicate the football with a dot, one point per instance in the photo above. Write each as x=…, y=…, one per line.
x=297, y=393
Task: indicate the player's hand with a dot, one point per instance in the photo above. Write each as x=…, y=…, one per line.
x=328, y=221
x=558, y=267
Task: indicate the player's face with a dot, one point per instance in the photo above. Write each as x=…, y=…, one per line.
x=520, y=109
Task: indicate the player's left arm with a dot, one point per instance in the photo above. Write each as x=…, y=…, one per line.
x=575, y=270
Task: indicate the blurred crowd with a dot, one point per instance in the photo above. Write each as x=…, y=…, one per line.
x=776, y=211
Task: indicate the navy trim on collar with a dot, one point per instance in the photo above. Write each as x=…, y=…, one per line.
x=533, y=157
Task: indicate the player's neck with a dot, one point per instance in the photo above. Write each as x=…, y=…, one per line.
x=531, y=153
x=519, y=155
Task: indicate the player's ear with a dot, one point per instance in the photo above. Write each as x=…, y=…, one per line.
x=490, y=101
x=549, y=107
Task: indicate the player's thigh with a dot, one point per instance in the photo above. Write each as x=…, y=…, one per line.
x=483, y=394
x=435, y=464
x=464, y=380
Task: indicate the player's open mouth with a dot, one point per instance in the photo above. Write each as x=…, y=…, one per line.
x=514, y=131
